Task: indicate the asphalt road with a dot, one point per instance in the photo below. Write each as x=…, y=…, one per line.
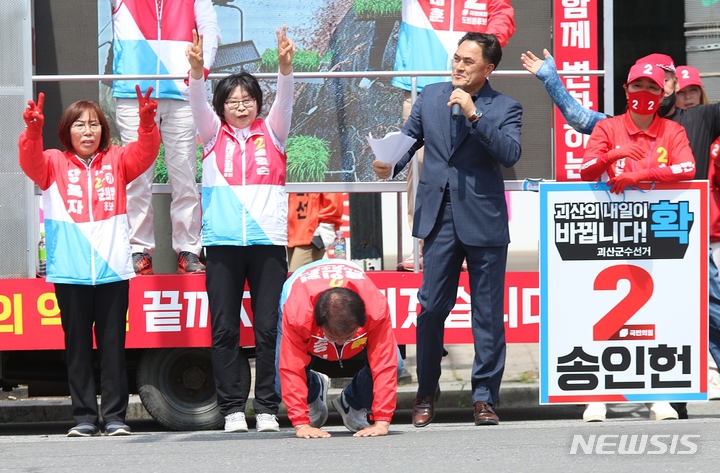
x=538, y=439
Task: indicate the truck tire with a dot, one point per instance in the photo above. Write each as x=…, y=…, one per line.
x=177, y=387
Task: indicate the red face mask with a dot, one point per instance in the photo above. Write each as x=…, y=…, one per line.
x=644, y=102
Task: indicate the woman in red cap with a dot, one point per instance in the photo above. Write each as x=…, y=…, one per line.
x=690, y=91
x=702, y=124
x=639, y=145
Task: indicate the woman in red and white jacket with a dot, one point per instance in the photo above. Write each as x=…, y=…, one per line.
x=88, y=249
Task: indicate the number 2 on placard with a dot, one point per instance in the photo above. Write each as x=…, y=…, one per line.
x=641, y=289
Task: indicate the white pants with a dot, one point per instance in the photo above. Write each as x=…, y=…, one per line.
x=178, y=134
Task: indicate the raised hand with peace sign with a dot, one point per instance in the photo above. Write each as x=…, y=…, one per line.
x=147, y=107
x=194, y=53
x=286, y=51
x=34, y=118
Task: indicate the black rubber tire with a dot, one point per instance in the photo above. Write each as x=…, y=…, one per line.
x=177, y=387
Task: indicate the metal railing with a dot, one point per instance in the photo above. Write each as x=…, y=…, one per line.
x=365, y=187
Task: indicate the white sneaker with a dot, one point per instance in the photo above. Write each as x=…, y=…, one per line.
x=661, y=411
x=713, y=385
x=318, y=408
x=595, y=412
x=354, y=420
x=267, y=423
x=235, y=422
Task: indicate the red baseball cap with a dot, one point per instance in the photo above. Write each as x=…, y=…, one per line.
x=655, y=73
x=661, y=60
x=687, y=76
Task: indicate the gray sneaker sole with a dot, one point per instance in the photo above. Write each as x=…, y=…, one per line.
x=324, y=386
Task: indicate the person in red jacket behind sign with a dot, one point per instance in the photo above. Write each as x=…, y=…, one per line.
x=633, y=147
x=690, y=92
x=639, y=145
x=88, y=249
x=331, y=310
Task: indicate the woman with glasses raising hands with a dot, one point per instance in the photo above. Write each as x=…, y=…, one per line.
x=244, y=207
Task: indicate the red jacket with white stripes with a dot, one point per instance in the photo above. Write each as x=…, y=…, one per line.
x=301, y=338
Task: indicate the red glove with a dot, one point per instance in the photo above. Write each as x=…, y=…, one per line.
x=630, y=150
x=715, y=152
x=626, y=179
x=34, y=118
x=147, y=108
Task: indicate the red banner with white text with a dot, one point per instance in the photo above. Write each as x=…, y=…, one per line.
x=172, y=311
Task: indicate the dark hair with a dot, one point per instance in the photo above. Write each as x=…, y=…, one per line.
x=491, y=50
x=224, y=88
x=73, y=113
x=340, y=309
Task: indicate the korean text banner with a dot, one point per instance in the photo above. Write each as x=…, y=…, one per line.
x=171, y=311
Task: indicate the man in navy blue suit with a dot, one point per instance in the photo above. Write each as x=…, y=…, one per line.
x=460, y=211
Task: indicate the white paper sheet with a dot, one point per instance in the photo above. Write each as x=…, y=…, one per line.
x=390, y=148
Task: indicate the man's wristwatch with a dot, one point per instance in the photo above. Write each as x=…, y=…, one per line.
x=477, y=115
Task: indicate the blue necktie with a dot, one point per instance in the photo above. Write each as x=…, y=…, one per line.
x=455, y=132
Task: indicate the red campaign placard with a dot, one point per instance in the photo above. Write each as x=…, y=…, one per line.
x=575, y=49
x=172, y=311
x=469, y=15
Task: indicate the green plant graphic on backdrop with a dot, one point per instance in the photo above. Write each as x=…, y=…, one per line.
x=161, y=174
x=303, y=61
x=308, y=159
x=377, y=9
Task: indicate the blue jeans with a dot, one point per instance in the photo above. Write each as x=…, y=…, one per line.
x=714, y=312
x=359, y=393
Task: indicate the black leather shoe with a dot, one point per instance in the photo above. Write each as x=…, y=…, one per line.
x=484, y=414
x=423, y=410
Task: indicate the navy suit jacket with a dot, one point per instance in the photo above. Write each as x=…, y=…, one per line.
x=471, y=168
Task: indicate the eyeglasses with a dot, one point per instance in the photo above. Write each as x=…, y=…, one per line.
x=79, y=127
x=234, y=104
x=335, y=338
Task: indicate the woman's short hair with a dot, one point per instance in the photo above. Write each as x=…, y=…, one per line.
x=224, y=88
x=73, y=114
